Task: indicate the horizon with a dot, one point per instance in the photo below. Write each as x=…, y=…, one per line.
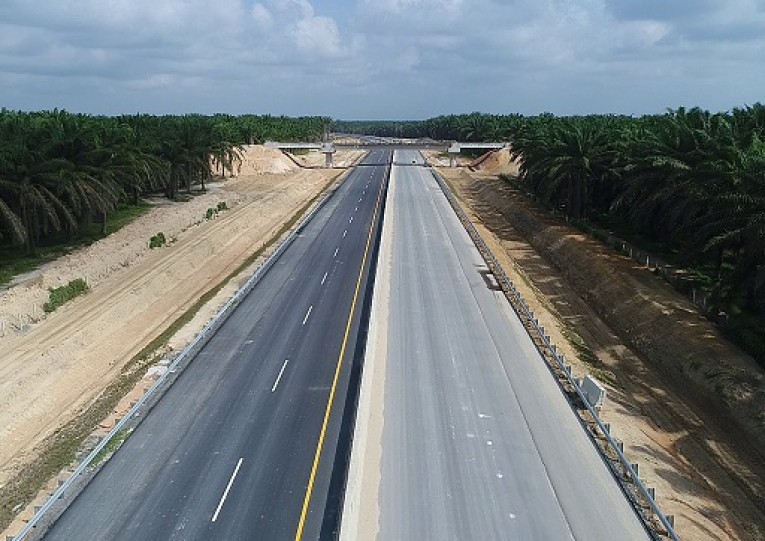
x=381, y=60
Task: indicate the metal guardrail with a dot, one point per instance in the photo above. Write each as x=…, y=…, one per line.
x=185, y=356
x=523, y=310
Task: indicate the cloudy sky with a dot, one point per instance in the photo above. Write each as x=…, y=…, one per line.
x=381, y=59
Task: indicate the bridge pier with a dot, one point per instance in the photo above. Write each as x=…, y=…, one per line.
x=453, y=151
x=328, y=149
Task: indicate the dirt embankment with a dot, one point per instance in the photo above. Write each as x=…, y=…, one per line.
x=689, y=406
x=53, y=367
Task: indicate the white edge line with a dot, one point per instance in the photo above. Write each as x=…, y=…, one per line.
x=279, y=377
x=324, y=279
x=225, y=492
x=307, y=314
x=336, y=250
x=345, y=233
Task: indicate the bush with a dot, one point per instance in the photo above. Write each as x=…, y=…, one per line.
x=62, y=294
x=222, y=206
x=157, y=240
x=210, y=213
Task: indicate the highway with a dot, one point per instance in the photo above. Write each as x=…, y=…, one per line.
x=242, y=445
x=476, y=441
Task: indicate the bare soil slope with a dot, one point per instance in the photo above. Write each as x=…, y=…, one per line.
x=673, y=382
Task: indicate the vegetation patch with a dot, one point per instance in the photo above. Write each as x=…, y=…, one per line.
x=212, y=212
x=63, y=294
x=157, y=240
x=588, y=357
x=113, y=444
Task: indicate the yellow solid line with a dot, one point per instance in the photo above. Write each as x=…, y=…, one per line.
x=322, y=434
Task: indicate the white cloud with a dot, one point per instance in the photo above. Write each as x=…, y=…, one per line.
x=294, y=9
x=411, y=58
x=317, y=35
x=262, y=17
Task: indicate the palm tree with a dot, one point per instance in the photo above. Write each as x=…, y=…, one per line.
x=562, y=160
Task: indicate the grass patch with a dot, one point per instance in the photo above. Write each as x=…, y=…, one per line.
x=112, y=445
x=588, y=357
x=59, y=449
x=157, y=241
x=63, y=294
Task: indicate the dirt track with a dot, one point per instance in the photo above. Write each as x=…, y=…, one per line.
x=703, y=475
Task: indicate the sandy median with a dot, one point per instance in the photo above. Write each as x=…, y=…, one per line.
x=360, y=516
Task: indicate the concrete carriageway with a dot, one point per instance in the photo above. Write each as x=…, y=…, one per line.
x=462, y=432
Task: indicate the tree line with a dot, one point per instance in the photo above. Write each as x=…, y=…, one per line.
x=467, y=128
x=689, y=181
x=61, y=171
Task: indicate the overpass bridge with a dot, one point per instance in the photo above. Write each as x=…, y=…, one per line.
x=329, y=148
x=457, y=147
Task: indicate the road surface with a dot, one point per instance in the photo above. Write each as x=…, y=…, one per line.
x=476, y=439
x=229, y=451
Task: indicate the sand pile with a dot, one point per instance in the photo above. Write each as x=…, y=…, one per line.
x=499, y=163
x=259, y=160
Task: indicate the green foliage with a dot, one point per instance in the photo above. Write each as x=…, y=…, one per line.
x=222, y=206
x=111, y=447
x=157, y=240
x=467, y=128
x=60, y=295
x=211, y=212
x=747, y=331
x=62, y=172
x=689, y=181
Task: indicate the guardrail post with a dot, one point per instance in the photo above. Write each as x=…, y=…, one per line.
x=635, y=468
x=652, y=493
